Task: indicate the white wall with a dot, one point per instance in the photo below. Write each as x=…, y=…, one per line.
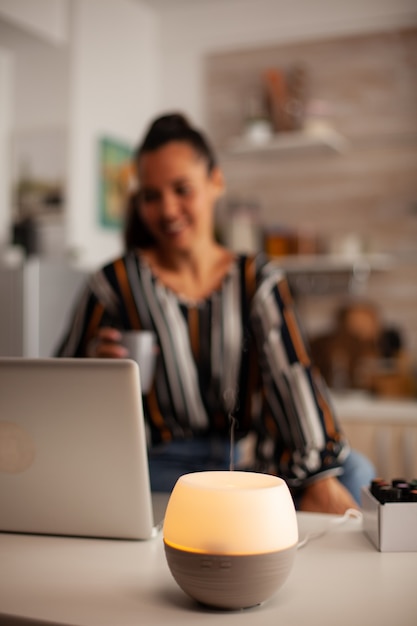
x=6, y=122
x=45, y=18
x=191, y=30
x=114, y=91
x=40, y=81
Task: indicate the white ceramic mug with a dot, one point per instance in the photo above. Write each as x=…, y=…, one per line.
x=141, y=345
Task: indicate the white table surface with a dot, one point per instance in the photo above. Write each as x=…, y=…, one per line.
x=338, y=579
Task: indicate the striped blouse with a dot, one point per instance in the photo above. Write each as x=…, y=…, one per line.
x=238, y=353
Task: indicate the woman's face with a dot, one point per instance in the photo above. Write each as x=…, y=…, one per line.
x=177, y=196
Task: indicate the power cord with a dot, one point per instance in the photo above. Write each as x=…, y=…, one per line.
x=349, y=514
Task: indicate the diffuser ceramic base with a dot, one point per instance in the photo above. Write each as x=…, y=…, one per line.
x=230, y=582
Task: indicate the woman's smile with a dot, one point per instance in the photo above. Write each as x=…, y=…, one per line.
x=173, y=229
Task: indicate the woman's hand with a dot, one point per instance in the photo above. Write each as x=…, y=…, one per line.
x=327, y=495
x=106, y=345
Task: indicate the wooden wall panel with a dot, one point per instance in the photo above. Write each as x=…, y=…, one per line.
x=370, y=85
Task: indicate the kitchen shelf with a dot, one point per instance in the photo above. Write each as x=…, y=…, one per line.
x=320, y=137
x=319, y=263
x=326, y=274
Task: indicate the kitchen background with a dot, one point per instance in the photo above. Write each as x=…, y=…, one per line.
x=337, y=175
x=313, y=109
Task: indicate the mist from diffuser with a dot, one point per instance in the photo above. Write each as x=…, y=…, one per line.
x=230, y=537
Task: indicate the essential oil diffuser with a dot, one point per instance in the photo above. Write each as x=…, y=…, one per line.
x=230, y=537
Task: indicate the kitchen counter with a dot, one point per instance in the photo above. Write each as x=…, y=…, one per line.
x=359, y=405
x=384, y=429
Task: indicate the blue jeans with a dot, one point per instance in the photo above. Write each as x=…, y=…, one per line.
x=169, y=461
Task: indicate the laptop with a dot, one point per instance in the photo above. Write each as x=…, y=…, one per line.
x=73, y=453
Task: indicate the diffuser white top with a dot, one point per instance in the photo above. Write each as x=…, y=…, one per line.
x=230, y=512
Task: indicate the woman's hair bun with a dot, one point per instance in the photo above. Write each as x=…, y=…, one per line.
x=170, y=124
x=176, y=127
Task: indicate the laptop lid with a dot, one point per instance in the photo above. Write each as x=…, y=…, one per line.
x=73, y=455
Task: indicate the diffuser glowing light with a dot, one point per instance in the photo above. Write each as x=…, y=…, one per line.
x=230, y=537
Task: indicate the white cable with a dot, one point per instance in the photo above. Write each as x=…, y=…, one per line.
x=349, y=514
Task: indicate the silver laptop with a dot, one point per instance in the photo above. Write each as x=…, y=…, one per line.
x=73, y=455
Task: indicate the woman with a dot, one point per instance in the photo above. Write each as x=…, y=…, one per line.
x=229, y=343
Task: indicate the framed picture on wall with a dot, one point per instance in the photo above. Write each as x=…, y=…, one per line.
x=115, y=180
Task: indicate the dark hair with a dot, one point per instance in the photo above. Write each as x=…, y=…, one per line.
x=135, y=234
x=163, y=130
x=175, y=127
